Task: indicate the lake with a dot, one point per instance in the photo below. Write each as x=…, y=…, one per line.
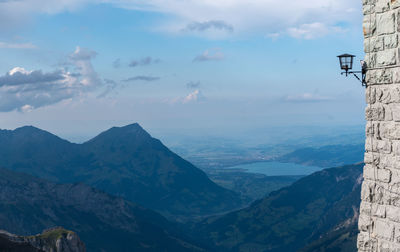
x=277, y=169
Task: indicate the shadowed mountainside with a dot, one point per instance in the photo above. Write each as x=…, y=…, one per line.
x=104, y=223
x=124, y=161
x=289, y=219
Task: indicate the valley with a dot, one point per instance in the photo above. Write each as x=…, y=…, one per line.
x=151, y=199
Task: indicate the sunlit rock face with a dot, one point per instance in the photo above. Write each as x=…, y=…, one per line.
x=379, y=221
x=51, y=240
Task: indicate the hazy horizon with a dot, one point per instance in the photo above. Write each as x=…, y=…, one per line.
x=79, y=67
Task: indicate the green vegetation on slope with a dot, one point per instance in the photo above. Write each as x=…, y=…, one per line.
x=292, y=217
x=250, y=186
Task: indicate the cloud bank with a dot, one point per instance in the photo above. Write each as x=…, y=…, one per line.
x=257, y=16
x=17, y=45
x=25, y=90
x=213, y=24
x=306, y=97
x=143, y=62
x=141, y=78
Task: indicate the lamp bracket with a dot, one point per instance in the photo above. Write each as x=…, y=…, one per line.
x=363, y=73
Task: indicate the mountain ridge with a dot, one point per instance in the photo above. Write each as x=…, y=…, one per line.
x=124, y=161
x=29, y=205
x=292, y=217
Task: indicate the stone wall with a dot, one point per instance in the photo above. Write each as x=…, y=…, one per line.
x=379, y=221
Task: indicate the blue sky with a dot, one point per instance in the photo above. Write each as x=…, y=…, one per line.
x=76, y=67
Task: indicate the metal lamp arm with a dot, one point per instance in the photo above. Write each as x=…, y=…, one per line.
x=362, y=79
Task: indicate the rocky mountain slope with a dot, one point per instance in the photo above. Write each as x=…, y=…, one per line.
x=311, y=209
x=123, y=161
x=7, y=245
x=51, y=240
x=104, y=223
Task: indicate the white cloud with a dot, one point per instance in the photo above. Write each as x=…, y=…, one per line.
x=243, y=16
x=265, y=16
x=313, y=30
x=25, y=90
x=81, y=58
x=212, y=24
x=306, y=97
x=193, y=97
x=17, y=45
x=26, y=108
x=210, y=55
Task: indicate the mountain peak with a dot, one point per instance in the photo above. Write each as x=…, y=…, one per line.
x=122, y=133
x=28, y=128
x=134, y=127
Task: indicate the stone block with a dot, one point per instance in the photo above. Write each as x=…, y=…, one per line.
x=368, y=9
x=383, y=175
x=375, y=192
x=396, y=148
x=394, y=4
x=382, y=146
x=395, y=189
x=379, y=76
x=369, y=25
x=368, y=144
x=396, y=75
x=396, y=246
x=391, y=41
x=378, y=211
x=393, y=214
x=394, y=199
x=395, y=178
x=367, y=191
x=370, y=60
x=372, y=130
x=395, y=111
x=371, y=158
x=383, y=95
x=388, y=113
x=370, y=172
x=383, y=229
x=365, y=208
x=366, y=243
x=365, y=223
x=370, y=95
x=375, y=113
x=390, y=130
x=389, y=160
x=385, y=23
x=385, y=246
x=374, y=44
x=386, y=58
x=382, y=6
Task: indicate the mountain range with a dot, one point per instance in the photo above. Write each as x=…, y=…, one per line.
x=125, y=165
x=325, y=156
x=123, y=161
x=29, y=205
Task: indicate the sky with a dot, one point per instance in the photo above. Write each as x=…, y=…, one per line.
x=78, y=67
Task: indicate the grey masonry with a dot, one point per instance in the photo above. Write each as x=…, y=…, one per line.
x=379, y=220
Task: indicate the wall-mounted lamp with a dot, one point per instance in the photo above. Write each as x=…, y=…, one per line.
x=346, y=64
